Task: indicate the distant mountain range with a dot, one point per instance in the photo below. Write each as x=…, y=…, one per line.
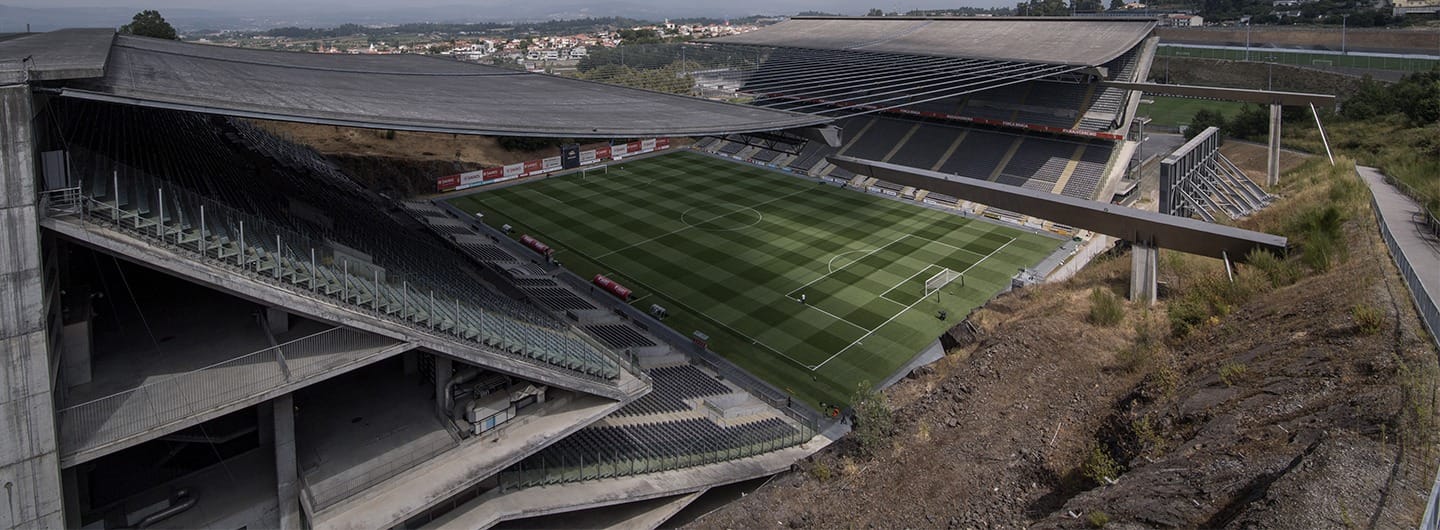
x=14, y=18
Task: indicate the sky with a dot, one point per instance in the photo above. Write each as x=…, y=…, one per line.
x=504, y=8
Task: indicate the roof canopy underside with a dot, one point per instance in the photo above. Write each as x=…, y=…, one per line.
x=844, y=83
x=408, y=92
x=1073, y=41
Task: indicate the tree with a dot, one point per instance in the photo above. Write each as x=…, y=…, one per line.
x=1117, y=4
x=874, y=420
x=1204, y=118
x=149, y=23
x=875, y=12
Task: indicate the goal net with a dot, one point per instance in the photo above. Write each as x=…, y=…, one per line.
x=940, y=280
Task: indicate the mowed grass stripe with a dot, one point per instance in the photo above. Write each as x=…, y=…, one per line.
x=729, y=278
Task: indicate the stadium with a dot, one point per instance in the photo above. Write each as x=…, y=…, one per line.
x=212, y=326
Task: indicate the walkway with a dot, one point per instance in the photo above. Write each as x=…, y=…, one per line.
x=1417, y=255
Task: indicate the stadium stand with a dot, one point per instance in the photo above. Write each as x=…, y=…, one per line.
x=248, y=204
x=612, y=451
x=619, y=336
x=1032, y=160
x=674, y=385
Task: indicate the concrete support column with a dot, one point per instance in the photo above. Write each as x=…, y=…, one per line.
x=1272, y=165
x=287, y=477
x=442, y=378
x=278, y=320
x=30, y=487
x=1144, y=259
x=411, y=362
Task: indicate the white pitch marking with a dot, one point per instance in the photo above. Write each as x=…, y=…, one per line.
x=907, y=308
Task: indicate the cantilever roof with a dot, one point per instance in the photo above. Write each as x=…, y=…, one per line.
x=409, y=92
x=1078, y=41
x=61, y=54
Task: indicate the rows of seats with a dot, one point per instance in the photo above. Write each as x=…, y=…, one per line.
x=558, y=298
x=665, y=440
x=673, y=385
x=1089, y=173
x=1030, y=160
x=154, y=171
x=619, y=336
x=485, y=251
x=765, y=156
x=1037, y=165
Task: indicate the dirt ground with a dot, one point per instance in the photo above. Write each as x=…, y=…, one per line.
x=481, y=151
x=1251, y=159
x=1399, y=40
x=1282, y=413
x=1256, y=76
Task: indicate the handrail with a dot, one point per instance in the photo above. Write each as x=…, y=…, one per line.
x=168, y=379
x=164, y=234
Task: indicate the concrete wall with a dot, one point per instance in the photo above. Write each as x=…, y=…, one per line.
x=29, y=463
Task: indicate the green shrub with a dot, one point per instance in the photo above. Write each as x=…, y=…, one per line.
x=1145, y=432
x=820, y=471
x=1278, y=272
x=1099, y=466
x=1097, y=519
x=1106, y=309
x=1369, y=318
x=1186, y=314
x=1233, y=373
x=874, y=419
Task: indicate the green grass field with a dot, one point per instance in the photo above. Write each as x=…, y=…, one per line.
x=729, y=249
x=1170, y=111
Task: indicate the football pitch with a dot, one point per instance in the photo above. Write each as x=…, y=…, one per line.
x=731, y=250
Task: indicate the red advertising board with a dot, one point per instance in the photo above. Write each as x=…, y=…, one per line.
x=532, y=167
x=610, y=286
x=535, y=245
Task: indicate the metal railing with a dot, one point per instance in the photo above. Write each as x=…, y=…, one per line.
x=174, y=399
x=1429, y=315
x=1430, y=221
x=269, y=254
x=546, y=468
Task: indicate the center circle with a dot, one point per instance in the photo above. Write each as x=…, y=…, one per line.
x=721, y=217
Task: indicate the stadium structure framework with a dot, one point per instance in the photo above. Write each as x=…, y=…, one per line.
x=205, y=325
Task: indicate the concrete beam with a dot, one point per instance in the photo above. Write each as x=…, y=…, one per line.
x=1165, y=231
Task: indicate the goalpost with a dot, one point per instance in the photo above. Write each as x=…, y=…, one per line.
x=940, y=280
x=585, y=171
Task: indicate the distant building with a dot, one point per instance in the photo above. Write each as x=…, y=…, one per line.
x=1414, y=7
x=1182, y=21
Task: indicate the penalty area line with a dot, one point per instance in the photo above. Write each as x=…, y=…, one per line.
x=907, y=308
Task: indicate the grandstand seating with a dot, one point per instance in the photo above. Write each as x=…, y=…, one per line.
x=286, y=216
x=619, y=336
x=978, y=154
x=674, y=385
x=611, y=451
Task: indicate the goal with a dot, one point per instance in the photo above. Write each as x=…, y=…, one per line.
x=602, y=169
x=941, y=279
